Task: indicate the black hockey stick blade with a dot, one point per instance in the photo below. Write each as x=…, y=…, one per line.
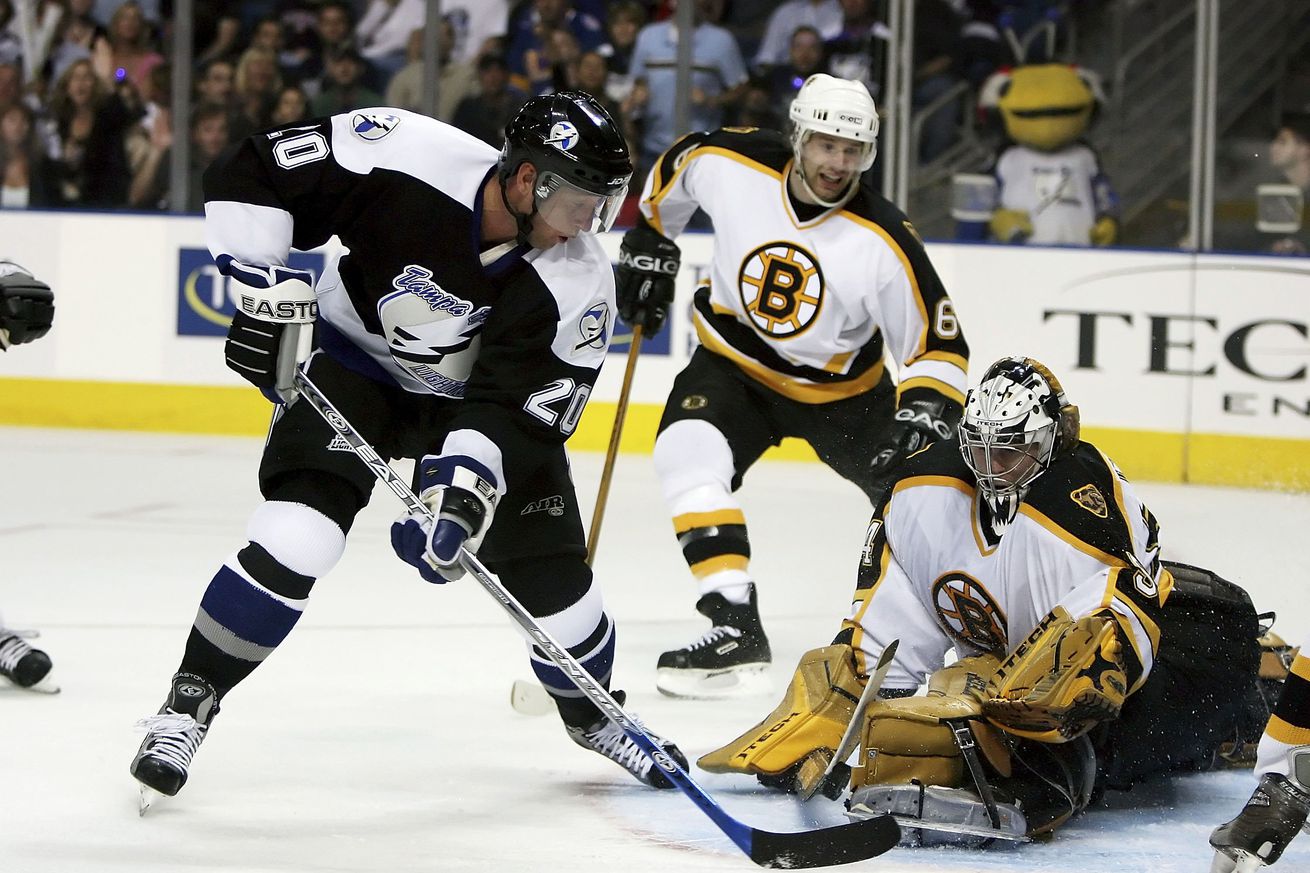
x=840, y=844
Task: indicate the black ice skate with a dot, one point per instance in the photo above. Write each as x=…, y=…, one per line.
x=23, y=665
x=729, y=660
x=172, y=737
x=1257, y=837
x=608, y=739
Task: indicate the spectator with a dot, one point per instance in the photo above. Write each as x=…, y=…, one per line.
x=626, y=19
x=24, y=175
x=455, y=80
x=216, y=83
x=343, y=88
x=561, y=54
x=292, y=106
x=298, y=19
x=268, y=35
x=84, y=137
x=73, y=42
x=209, y=135
x=859, y=49
x=718, y=78
x=36, y=30
x=804, y=58
x=216, y=31
x=475, y=21
x=335, y=26
x=757, y=109
x=11, y=45
x=131, y=54
x=486, y=114
x=11, y=85
x=383, y=34
x=104, y=10
x=937, y=32
x=257, y=84
x=825, y=16
x=531, y=55
x=1289, y=154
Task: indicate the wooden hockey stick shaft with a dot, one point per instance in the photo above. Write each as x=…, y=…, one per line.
x=602, y=496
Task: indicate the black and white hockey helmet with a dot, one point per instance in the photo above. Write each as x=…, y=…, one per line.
x=581, y=157
x=1016, y=423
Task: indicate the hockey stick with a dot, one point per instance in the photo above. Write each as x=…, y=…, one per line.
x=839, y=844
x=602, y=496
x=852, y=734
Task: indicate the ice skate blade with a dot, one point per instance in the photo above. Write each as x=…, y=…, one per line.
x=45, y=686
x=1245, y=862
x=529, y=698
x=147, y=798
x=748, y=680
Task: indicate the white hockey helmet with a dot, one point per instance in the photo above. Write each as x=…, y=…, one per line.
x=839, y=107
x=1016, y=422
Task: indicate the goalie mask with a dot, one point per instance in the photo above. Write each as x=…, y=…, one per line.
x=582, y=161
x=1016, y=423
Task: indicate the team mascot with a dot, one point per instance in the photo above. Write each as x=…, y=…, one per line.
x=1046, y=184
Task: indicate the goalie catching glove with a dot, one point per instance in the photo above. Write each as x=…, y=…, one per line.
x=272, y=328
x=462, y=494
x=1061, y=681
x=644, y=280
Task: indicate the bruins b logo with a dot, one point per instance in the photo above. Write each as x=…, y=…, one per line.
x=969, y=613
x=781, y=289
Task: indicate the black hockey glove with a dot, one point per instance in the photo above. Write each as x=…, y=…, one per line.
x=922, y=418
x=258, y=346
x=648, y=264
x=27, y=306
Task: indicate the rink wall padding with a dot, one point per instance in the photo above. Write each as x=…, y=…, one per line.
x=1185, y=367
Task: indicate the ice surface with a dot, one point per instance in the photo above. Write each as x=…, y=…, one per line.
x=380, y=738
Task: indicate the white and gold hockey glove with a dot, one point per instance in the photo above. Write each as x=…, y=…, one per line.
x=1061, y=681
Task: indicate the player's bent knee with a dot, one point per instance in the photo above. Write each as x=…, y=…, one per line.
x=691, y=454
x=298, y=537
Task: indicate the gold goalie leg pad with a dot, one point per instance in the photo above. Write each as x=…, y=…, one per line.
x=806, y=726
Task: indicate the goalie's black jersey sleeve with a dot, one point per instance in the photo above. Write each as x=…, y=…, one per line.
x=418, y=299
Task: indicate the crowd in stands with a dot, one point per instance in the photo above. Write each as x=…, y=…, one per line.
x=85, y=85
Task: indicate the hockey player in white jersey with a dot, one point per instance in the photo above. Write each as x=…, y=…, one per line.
x=1280, y=804
x=815, y=280
x=27, y=310
x=1085, y=661
x=464, y=328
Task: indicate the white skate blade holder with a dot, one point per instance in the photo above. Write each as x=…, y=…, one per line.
x=938, y=816
x=748, y=680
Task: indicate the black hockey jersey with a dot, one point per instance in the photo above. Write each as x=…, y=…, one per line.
x=418, y=300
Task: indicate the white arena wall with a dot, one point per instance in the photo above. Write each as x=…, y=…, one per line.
x=1186, y=367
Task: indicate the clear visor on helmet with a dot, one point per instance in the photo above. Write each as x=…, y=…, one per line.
x=1005, y=463
x=571, y=210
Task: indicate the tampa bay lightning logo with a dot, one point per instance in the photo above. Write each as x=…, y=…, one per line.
x=563, y=136
x=594, y=328
x=372, y=126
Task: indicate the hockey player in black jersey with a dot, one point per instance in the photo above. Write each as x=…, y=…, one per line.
x=1085, y=661
x=27, y=309
x=464, y=329
x=816, y=282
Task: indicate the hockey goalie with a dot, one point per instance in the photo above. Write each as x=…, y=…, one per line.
x=1085, y=663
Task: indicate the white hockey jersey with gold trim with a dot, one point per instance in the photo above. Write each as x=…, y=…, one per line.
x=935, y=573
x=805, y=306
